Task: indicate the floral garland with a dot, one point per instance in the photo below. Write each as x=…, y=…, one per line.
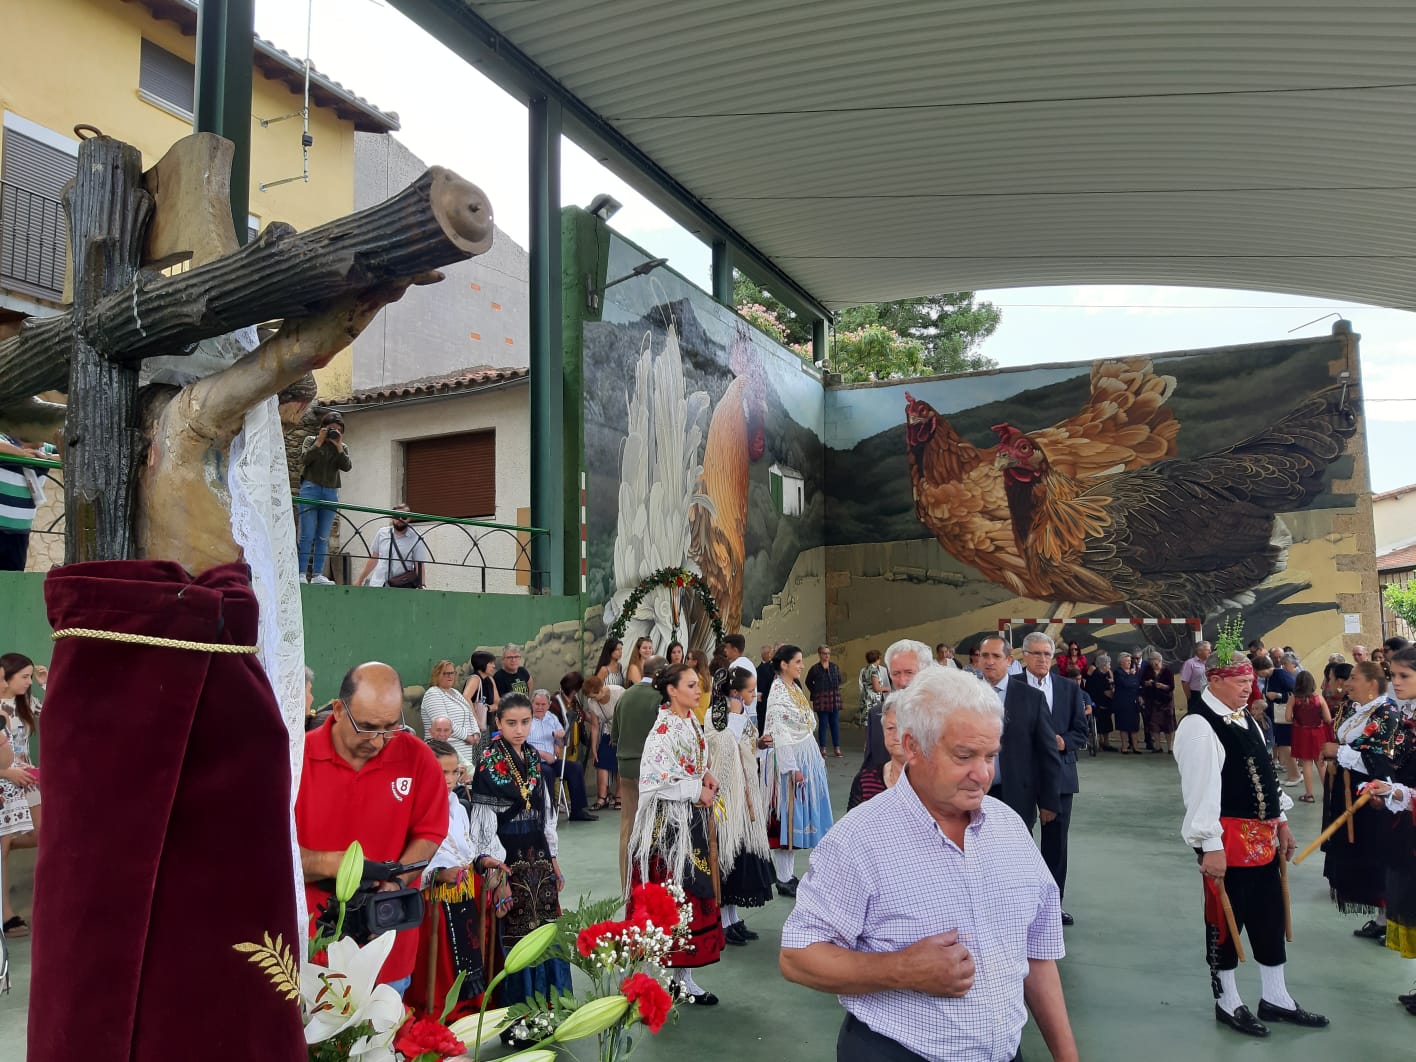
x=669, y=579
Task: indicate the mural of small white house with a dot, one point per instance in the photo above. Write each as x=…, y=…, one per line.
x=788, y=490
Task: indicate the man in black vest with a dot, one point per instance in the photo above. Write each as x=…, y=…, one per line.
x=1234, y=819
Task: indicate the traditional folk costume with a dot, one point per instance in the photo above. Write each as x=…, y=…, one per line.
x=1394, y=759
x=455, y=924
x=743, y=853
x=511, y=799
x=800, y=814
x=1355, y=858
x=671, y=840
x=1234, y=804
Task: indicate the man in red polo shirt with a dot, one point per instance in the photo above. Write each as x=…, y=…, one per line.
x=368, y=779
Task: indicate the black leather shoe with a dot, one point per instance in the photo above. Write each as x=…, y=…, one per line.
x=787, y=888
x=1407, y=999
x=1242, y=1020
x=1371, y=931
x=746, y=933
x=704, y=999
x=734, y=938
x=1296, y=1016
x=1067, y=919
x=584, y=816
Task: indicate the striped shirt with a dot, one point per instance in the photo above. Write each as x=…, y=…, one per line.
x=16, y=501
x=885, y=877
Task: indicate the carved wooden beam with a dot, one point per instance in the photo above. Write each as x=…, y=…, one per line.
x=108, y=214
x=437, y=220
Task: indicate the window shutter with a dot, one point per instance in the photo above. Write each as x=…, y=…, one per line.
x=452, y=475
x=34, y=233
x=168, y=77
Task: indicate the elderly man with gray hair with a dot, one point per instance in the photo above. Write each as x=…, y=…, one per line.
x=903, y=660
x=943, y=960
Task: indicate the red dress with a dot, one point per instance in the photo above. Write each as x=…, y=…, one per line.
x=1309, y=731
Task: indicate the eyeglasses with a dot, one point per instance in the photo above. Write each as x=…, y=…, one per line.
x=388, y=735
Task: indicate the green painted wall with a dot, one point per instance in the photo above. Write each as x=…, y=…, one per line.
x=345, y=625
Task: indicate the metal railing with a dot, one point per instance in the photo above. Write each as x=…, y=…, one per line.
x=34, y=241
x=453, y=543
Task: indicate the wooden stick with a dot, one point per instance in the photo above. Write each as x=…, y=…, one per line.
x=1336, y=824
x=713, y=867
x=1229, y=920
x=1287, y=906
x=1347, y=798
x=434, y=909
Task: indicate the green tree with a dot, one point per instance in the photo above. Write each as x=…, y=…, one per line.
x=1402, y=601
x=943, y=332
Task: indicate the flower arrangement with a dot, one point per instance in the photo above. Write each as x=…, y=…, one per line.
x=347, y=1014
x=670, y=578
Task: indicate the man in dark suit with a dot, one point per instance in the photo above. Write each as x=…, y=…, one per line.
x=1028, y=773
x=1069, y=723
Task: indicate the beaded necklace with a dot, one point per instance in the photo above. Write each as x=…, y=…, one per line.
x=521, y=783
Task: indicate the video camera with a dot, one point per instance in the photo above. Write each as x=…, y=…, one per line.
x=372, y=911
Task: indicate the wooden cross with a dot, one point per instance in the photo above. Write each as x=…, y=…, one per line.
x=126, y=226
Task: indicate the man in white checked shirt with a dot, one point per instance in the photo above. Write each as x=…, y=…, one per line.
x=927, y=909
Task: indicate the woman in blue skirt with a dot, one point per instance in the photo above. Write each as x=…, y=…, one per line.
x=794, y=771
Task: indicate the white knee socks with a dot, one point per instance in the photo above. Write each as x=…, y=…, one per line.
x=730, y=914
x=1275, y=987
x=685, y=978
x=784, y=859
x=1229, y=999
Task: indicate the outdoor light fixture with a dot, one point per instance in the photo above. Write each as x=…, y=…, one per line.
x=604, y=206
x=643, y=269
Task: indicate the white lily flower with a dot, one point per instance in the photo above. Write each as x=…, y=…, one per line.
x=495, y=1023
x=346, y=992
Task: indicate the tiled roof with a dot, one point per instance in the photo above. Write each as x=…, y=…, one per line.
x=1398, y=492
x=280, y=65
x=473, y=379
x=1397, y=559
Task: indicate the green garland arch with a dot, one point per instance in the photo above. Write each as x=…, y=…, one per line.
x=669, y=579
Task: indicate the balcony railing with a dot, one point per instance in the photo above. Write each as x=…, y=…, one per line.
x=470, y=555
x=34, y=241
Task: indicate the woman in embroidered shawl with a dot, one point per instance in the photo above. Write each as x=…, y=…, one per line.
x=511, y=797
x=794, y=770
x=743, y=853
x=1355, y=861
x=671, y=840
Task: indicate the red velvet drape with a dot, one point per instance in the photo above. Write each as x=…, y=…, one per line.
x=166, y=830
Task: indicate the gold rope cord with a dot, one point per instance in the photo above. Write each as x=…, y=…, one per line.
x=148, y=639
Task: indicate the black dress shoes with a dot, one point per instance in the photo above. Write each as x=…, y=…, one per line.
x=1296, y=1016
x=1407, y=999
x=1242, y=1020
x=746, y=933
x=733, y=935
x=1067, y=919
x=1372, y=931
x=787, y=888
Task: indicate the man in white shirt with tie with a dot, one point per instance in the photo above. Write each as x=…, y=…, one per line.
x=1069, y=723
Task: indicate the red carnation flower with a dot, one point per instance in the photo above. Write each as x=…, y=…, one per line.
x=662, y=728
x=651, y=902
x=1371, y=728
x=502, y=768
x=426, y=1037
x=589, y=937
x=654, y=1003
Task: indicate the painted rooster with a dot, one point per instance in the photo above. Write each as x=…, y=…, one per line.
x=959, y=488
x=1184, y=537
x=736, y=439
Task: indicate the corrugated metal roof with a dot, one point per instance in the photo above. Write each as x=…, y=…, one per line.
x=427, y=386
x=877, y=151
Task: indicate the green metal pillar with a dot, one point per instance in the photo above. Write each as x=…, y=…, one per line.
x=818, y=340
x=547, y=378
x=225, y=56
x=722, y=272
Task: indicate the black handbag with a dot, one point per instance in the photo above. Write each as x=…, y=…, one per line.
x=409, y=578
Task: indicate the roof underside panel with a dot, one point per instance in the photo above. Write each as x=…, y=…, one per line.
x=881, y=150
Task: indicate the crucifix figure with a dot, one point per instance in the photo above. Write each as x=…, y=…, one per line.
x=167, y=827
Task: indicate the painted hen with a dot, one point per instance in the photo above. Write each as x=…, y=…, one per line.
x=959, y=489
x=736, y=439
x=1180, y=538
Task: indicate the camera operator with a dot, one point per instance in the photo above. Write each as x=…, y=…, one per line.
x=322, y=458
x=367, y=778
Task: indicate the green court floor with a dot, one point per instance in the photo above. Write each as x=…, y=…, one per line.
x=1135, y=978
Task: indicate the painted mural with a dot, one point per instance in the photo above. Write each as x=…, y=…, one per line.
x=703, y=451
x=1186, y=485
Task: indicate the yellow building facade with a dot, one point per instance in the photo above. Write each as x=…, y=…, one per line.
x=125, y=68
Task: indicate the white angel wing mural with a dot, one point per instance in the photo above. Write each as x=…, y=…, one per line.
x=660, y=472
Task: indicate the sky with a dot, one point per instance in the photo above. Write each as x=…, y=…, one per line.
x=454, y=116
